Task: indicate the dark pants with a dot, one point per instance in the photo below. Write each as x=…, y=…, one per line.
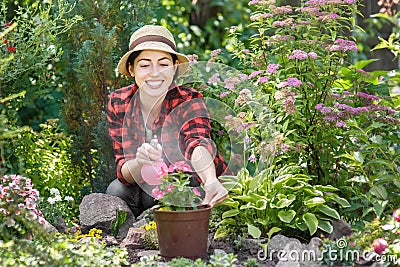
x=136, y=198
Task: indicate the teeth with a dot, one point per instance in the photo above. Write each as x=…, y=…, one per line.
x=154, y=83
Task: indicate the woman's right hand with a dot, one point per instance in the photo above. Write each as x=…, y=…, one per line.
x=147, y=154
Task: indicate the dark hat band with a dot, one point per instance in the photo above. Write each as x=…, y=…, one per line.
x=152, y=38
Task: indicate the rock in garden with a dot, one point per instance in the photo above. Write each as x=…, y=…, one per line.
x=340, y=229
x=98, y=211
x=134, y=238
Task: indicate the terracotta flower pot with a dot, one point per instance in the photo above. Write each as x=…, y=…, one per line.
x=183, y=233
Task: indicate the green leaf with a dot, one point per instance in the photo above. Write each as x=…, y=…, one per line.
x=379, y=207
x=254, y=231
x=376, y=139
x=315, y=201
x=272, y=231
x=329, y=211
x=359, y=179
x=221, y=232
x=358, y=156
x=311, y=222
x=325, y=226
x=341, y=201
x=230, y=213
x=286, y=216
x=379, y=191
x=362, y=63
x=284, y=202
x=261, y=204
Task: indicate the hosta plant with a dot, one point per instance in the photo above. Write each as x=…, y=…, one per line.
x=278, y=200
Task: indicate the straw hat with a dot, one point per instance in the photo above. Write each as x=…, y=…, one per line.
x=152, y=37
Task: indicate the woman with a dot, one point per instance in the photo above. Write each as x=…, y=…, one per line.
x=155, y=106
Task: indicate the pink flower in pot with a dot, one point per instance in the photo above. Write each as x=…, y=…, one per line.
x=396, y=215
x=379, y=245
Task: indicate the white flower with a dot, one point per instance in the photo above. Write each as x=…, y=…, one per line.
x=57, y=198
x=69, y=198
x=54, y=191
x=51, y=200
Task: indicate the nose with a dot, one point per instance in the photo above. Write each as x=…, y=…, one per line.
x=155, y=70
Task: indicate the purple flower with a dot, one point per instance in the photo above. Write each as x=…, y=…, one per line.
x=343, y=45
x=214, y=79
x=313, y=55
x=263, y=79
x=298, y=54
x=255, y=73
x=272, y=68
x=333, y=16
x=367, y=96
x=252, y=158
x=341, y=124
x=224, y=94
x=293, y=82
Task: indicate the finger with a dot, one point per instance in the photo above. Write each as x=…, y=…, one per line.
x=218, y=199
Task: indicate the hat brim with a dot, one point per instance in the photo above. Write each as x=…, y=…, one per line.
x=182, y=67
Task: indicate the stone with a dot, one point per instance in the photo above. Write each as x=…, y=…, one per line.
x=134, y=238
x=148, y=253
x=252, y=245
x=98, y=210
x=110, y=240
x=291, y=252
x=279, y=242
x=340, y=229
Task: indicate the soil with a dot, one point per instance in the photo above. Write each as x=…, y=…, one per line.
x=241, y=254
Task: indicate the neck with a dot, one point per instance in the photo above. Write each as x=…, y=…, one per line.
x=150, y=107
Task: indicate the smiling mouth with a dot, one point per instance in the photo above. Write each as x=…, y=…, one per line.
x=154, y=84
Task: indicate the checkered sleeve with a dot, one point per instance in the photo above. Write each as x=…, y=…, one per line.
x=197, y=131
x=115, y=116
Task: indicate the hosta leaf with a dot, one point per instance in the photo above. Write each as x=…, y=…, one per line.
x=221, y=232
x=325, y=226
x=311, y=222
x=230, y=213
x=329, y=211
x=341, y=201
x=261, y=204
x=315, y=201
x=286, y=216
x=254, y=231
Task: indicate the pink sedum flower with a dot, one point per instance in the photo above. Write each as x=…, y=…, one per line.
x=379, y=245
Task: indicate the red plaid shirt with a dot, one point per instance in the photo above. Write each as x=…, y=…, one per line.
x=182, y=125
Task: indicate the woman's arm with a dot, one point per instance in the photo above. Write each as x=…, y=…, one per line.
x=203, y=164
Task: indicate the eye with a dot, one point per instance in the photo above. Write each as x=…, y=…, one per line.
x=144, y=65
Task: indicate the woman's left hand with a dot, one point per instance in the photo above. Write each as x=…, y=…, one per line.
x=215, y=193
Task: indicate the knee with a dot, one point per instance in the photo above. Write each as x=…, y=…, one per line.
x=116, y=188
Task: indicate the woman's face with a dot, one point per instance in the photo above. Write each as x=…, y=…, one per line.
x=153, y=72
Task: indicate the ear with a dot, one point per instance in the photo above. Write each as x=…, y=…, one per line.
x=130, y=70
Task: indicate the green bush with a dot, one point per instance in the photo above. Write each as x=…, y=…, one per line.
x=277, y=200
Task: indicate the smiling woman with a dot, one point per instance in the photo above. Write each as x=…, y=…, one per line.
x=156, y=106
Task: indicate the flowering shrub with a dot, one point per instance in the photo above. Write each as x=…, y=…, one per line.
x=308, y=105
x=173, y=191
x=381, y=236
x=57, y=207
x=19, y=215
